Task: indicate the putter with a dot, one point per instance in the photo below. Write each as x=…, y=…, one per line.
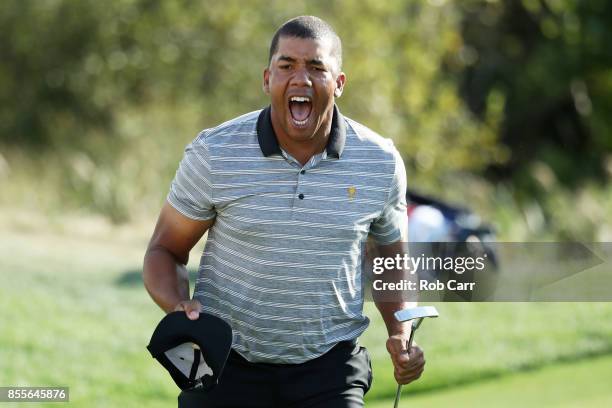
x=416, y=314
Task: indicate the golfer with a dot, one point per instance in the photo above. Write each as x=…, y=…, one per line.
x=288, y=195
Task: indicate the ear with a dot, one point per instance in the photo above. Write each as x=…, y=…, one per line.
x=266, y=81
x=340, y=82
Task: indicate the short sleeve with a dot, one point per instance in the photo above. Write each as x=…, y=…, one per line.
x=392, y=224
x=191, y=191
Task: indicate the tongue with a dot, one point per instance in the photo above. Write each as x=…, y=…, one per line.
x=299, y=110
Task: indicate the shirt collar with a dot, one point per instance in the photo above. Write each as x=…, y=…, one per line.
x=269, y=143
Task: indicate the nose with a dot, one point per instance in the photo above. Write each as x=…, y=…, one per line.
x=301, y=77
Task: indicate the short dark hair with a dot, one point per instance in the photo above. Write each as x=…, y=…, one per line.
x=308, y=27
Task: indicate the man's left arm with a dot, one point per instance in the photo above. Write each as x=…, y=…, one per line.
x=408, y=365
x=390, y=232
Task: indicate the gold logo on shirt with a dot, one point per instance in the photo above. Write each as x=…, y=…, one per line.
x=351, y=192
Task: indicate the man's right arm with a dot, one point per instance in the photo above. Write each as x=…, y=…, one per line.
x=165, y=273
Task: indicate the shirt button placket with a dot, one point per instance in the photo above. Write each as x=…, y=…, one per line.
x=299, y=195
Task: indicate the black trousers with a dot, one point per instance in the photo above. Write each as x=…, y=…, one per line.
x=338, y=379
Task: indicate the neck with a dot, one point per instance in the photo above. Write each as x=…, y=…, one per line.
x=303, y=150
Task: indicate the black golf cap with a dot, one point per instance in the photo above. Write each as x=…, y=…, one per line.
x=193, y=351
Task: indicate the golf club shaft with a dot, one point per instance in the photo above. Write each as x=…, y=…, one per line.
x=397, y=395
x=415, y=325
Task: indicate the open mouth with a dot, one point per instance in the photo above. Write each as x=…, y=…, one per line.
x=300, y=108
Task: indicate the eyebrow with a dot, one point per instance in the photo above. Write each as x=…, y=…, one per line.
x=286, y=58
x=310, y=62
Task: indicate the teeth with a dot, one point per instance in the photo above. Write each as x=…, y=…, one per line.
x=299, y=99
x=300, y=122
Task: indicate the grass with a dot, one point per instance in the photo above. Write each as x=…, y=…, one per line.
x=73, y=312
x=584, y=383
x=471, y=342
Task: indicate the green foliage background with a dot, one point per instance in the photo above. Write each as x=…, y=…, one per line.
x=500, y=105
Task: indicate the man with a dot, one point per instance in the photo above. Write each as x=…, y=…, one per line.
x=288, y=196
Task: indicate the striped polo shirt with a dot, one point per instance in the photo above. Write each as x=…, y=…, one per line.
x=282, y=262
